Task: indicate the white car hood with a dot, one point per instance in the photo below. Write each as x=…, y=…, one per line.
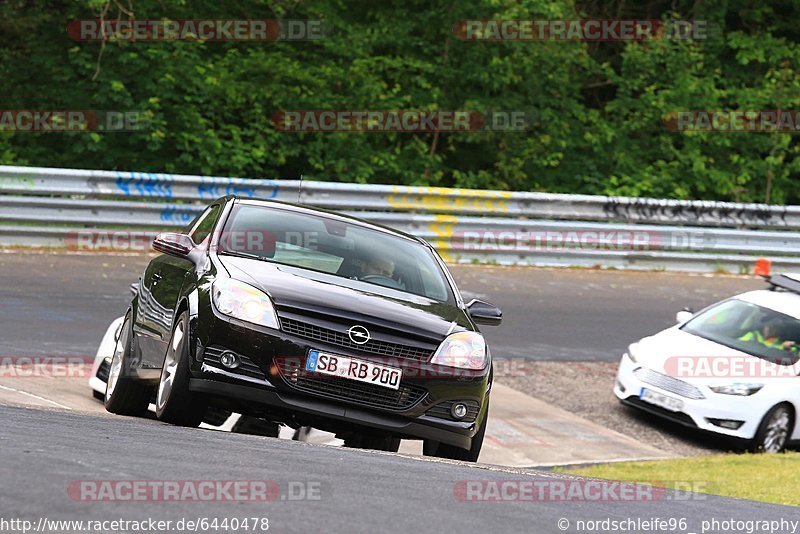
x=673, y=351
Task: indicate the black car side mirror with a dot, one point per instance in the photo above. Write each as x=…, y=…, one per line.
x=484, y=313
x=173, y=243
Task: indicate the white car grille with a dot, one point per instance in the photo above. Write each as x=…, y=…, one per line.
x=668, y=383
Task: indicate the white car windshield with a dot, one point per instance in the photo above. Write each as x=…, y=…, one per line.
x=749, y=328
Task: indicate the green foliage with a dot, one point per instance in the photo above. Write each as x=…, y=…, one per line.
x=597, y=111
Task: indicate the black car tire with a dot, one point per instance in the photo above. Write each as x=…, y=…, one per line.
x=175, y=404
x=377, y=443
x=124, y=395
x=776, y=425
x=451, y=452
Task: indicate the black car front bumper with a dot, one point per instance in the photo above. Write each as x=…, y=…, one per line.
x=422, y=427
x=262, y=386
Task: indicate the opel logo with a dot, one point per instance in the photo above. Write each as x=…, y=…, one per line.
x=358, y=334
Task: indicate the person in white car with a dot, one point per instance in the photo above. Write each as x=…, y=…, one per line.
x=770, y=335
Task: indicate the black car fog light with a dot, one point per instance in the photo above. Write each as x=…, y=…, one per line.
x=459, y=410
x=230, y=360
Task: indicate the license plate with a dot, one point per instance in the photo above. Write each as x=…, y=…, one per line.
x=353, y=369
x=665, y=401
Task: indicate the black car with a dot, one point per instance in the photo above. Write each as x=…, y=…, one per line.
x=308, y=318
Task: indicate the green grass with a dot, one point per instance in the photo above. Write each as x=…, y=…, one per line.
x=761, y=477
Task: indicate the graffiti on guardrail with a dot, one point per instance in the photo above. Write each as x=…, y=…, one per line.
x=155, y=185
x=145, y=184
x=182, y=215
x=648, y=209
x=464, y=225
x=213, y=188
x=444, y=200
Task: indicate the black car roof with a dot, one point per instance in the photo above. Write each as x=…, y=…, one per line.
x=303, y=208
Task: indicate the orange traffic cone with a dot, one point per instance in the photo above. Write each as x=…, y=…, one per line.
x=763, y=266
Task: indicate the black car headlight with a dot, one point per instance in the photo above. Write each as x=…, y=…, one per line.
x=243, y=301
x=464, y=350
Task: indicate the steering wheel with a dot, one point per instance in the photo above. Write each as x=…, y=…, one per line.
x=381, y=280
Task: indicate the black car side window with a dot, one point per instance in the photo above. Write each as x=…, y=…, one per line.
x=206, y=224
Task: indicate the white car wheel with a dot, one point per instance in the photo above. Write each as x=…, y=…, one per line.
x=775, y=429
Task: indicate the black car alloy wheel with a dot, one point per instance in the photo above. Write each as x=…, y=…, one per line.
x=174, y=402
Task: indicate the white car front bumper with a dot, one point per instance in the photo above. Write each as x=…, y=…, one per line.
x=104, y=353
x=695, y=412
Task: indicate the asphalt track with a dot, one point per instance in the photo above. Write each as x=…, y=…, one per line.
x=60, y=304
x=43, y=452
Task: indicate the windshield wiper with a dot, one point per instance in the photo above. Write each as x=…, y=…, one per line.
x=247, y=255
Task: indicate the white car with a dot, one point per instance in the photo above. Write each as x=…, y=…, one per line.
x=731, y=369
x=102, y=360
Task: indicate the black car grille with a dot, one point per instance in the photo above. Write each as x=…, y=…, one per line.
x=352, y=391
x=442, y=410
x=247, y=367
x=341, y=339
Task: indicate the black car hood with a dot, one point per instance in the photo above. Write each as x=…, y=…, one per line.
x=296, y=290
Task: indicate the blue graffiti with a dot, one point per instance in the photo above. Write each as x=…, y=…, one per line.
x=179, y=215
x=212, y=188
x=145, y=184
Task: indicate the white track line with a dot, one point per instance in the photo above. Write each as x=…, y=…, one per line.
x=35, y=396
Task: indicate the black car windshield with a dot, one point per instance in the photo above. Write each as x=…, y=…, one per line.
x=750, y=328
x=334, y=246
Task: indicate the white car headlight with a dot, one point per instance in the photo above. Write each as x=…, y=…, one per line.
x=243, y=301
x=741, y=389
x=465, y=350
x=632, y=352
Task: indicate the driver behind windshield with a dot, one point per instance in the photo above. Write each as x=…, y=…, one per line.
x=769, y=334
x=376, y=266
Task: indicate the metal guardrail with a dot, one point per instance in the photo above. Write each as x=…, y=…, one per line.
x=170, y=187
x=137, y=185
x=50, y=207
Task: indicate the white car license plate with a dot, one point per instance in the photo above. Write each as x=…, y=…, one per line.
x=353, y=369
x=665, y=401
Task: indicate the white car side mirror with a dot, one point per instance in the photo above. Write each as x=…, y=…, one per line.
x=683, y=316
